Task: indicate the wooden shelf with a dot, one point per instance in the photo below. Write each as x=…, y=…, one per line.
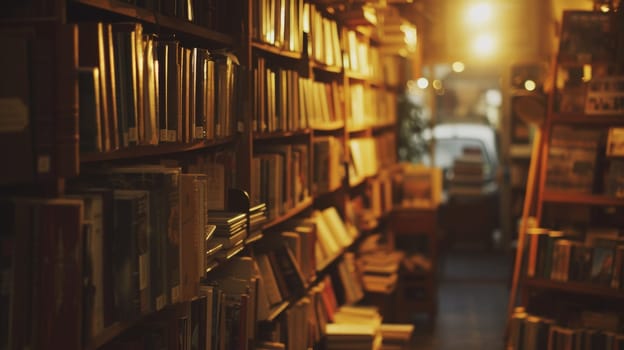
x=144, y=15
x=325, y=68
x=281, y=134
x=153, y=150
x=276, y=50
x=329, y=126
x=384, y=127
x=357, y=76
x=299, y=208
x=575, y=288
x=581, y=198
x=584, y=119
x=356, y=129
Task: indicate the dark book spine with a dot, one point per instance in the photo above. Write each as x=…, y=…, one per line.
x=129, y=212
x=57, y=273
x=15, y=90
x=173, y=91
x=66, y=101
x=173, y=236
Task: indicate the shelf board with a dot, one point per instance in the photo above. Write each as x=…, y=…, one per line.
x=575, y=288
x=329, y=126
x=152, y=150
x=300, y=207
x=148, y=16
x=281, y=134
x=325, y=68
x=358, y=129
x=276, y=50
x=384, y=126
x=581, y=118
x=581, y=198
x=357, y=76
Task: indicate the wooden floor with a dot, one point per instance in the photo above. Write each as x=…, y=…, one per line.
x=473, y=296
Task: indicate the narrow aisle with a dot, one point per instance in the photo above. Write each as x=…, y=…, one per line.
x=473, y=295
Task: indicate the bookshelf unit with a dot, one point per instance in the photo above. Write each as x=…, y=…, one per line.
x=570, y=266
x=158, y=133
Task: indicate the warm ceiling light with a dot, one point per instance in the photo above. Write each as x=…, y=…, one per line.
x=484, y=45
x=479, y=13
x=458, y=67
x=437, y=84
x=530, y=85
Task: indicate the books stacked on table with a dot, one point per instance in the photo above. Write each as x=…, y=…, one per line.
x=354, y=327
x=230, y=232
x=470, y=176
x=396, y=336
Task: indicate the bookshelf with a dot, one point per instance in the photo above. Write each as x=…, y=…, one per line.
x=224, y=131
x=569, y=264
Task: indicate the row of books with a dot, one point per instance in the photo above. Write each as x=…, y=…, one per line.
x=572, y=159
x=278, y=23
x=141, y=89
x=278, y=102
x=371, y=106
x=597, y=258
x=529, y=331
x=283, y=181
x=324, y=44
x=368, y=155
x=360, y=57
x=323, y=103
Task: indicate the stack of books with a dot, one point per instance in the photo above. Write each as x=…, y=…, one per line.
x=380, y=270
x=354, y=327
x=258, y=216
x=470, y=176
x=230, y=232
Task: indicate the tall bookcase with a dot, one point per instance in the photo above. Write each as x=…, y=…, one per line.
x=137, y=131
x=571, y=266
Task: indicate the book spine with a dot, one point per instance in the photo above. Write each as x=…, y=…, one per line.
x=56, y=274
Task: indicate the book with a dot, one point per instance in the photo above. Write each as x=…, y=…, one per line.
x=572, y=157
x=45, y=123
x=130, y=258
x=163, y=186
x=90, y=110
x=586, y=37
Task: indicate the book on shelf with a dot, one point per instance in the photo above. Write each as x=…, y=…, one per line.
x=604, y=95
x=40, y=97
x=130, y=259
x=164, y=208
x=42, y=241
x=572, y=158
x=586, y=37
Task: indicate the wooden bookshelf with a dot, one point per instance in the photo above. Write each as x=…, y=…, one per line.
x=568, y=140
x=282, y=135
x=209, y=165
x=177, y=25
x=276, y=50
x=580, y=198
x=163, y=149
x=571, y=287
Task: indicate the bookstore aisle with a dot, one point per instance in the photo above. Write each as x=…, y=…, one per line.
x=473, y=294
